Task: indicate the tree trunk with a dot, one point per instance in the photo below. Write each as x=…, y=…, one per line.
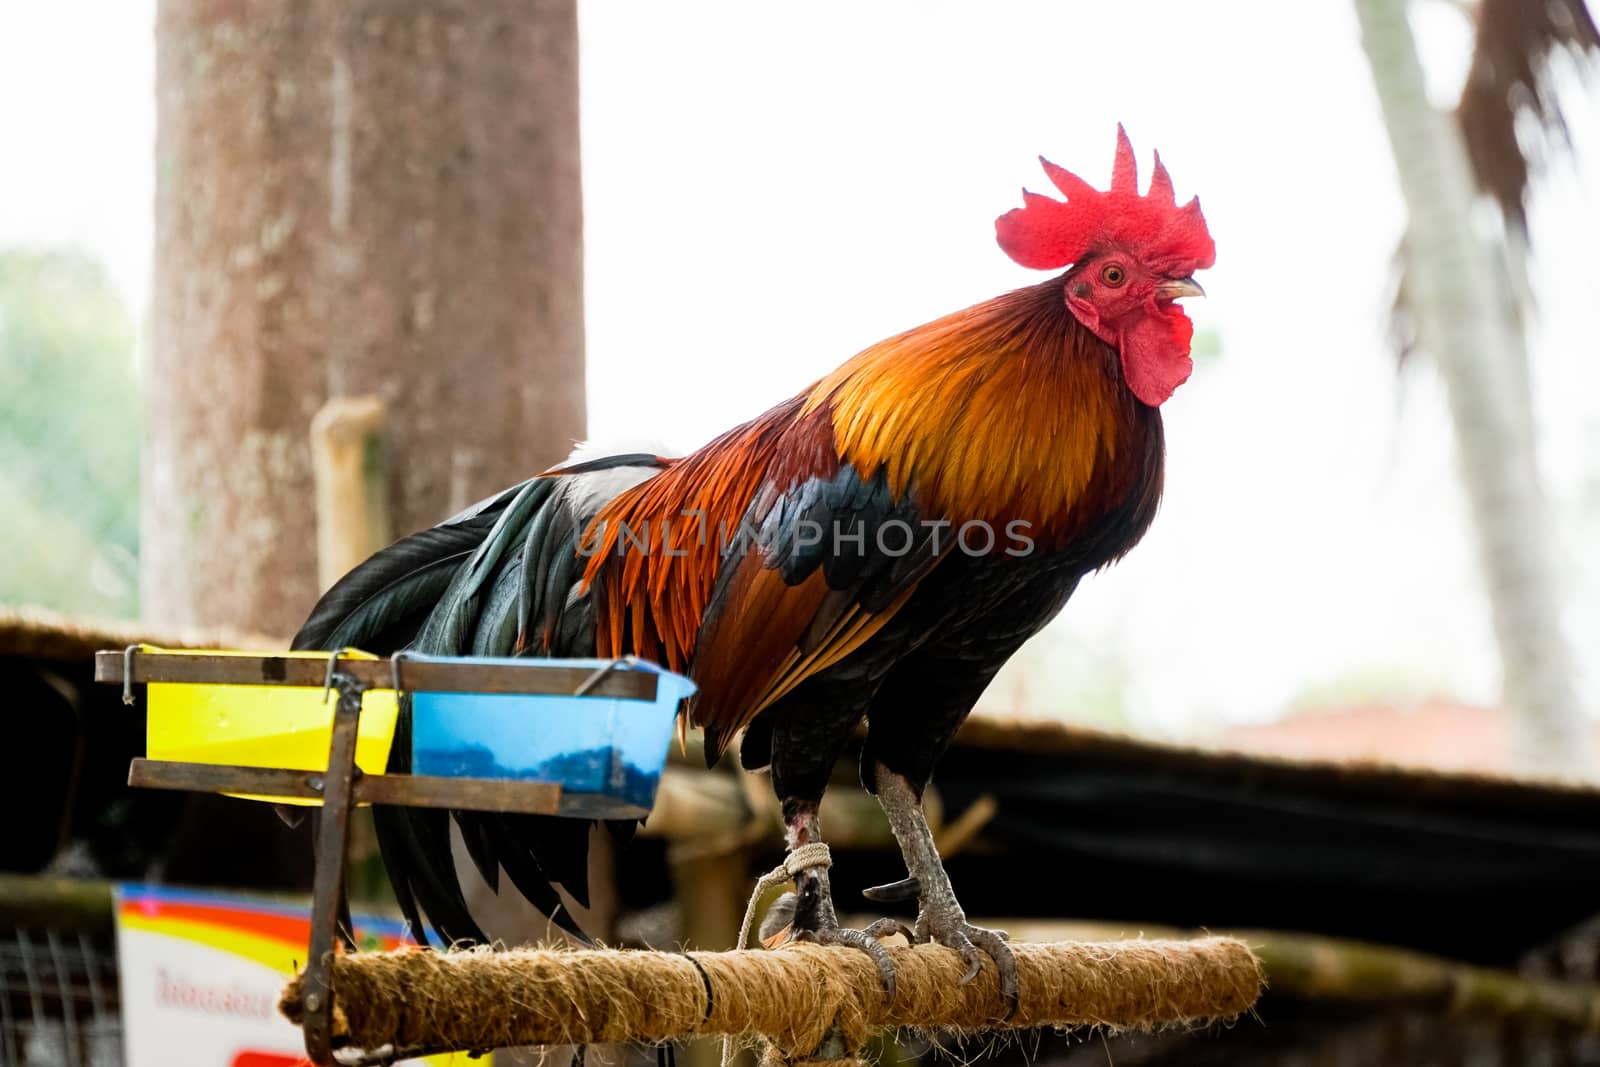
x=1478, y=345
x=378, y=197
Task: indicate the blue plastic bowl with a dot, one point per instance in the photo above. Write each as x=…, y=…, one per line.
x=607, y=753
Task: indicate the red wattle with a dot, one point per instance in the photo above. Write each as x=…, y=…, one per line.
x=1155, y=354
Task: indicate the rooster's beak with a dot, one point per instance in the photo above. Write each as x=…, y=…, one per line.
x=1174, y=288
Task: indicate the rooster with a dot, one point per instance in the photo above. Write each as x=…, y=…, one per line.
x=874, y=548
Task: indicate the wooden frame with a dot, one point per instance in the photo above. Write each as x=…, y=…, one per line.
x=341, y=784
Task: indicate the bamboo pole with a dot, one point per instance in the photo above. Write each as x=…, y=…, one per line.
x=351, y=484
x=36, y=902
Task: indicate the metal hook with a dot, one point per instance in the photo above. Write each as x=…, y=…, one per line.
x=127, y=671
x=394, y=667
x=327, y=681
x=600, y=672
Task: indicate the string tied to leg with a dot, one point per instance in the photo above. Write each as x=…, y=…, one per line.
x=801, y=858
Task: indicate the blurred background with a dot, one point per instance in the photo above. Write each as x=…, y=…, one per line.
x=764, y=194
x=517, y=226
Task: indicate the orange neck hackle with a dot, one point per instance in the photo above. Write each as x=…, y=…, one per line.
x=1001, y=412
x=1007, y=411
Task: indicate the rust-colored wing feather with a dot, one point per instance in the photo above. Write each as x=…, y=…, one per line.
x=754, y=564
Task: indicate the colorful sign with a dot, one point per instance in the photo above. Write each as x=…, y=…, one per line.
x=201, y=974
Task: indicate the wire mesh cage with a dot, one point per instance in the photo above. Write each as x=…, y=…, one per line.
x=59, y=1003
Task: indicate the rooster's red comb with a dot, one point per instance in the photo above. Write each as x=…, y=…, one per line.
x=1047, y=234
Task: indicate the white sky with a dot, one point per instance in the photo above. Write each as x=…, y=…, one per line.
x=767, y=193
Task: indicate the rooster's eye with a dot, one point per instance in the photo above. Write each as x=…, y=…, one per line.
x=1113, y=275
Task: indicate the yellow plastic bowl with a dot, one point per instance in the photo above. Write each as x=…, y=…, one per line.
x=262, y=725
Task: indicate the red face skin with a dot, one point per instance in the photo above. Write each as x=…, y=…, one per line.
x=1131, y=307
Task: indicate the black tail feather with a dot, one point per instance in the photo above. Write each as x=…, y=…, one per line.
x=415, y=844
x=531, y=880
x=560, y=847
x=480, y=845
x=382, y=603
x=466, y=587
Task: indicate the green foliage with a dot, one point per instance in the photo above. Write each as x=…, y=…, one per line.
x=69, y=432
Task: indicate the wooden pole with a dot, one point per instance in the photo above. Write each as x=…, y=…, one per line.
x=352, y=198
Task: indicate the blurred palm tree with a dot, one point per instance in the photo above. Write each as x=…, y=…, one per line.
x=1461, y=298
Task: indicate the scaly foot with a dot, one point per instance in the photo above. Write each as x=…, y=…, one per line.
x=941, y=921
x=807, y=915
x=939, y=915
x=951, y=929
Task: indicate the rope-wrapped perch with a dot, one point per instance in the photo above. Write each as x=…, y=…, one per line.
x=795, y=996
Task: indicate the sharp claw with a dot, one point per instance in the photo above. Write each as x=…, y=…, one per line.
x=904, y=889
x=807, y=915
x=860, y=940
x=994, y=942
x=974, y=961
x=890, y=927
x=973, y=943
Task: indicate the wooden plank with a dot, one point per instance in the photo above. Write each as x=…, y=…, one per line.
x=466, y=794
x=405, y=790
x=268, y=669
x=219, y=778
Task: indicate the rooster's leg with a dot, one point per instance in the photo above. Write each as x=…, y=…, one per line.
x=807, y=914
x=939, y=915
